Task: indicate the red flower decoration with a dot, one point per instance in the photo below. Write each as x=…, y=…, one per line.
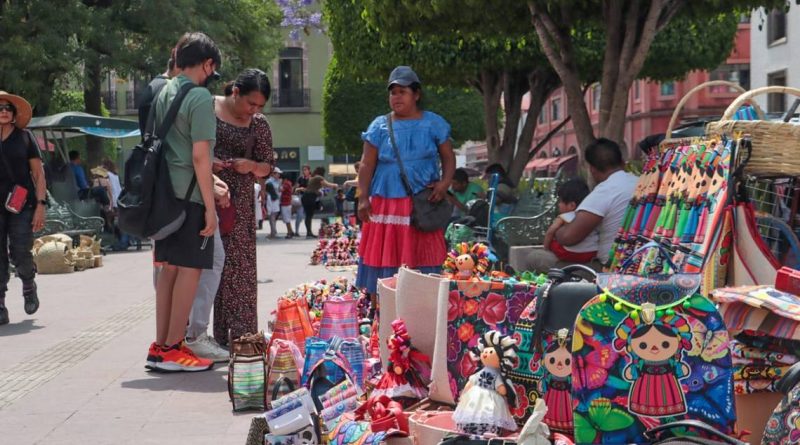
x=494, y=309
x=454, y=305
x=465, y=332
x=471, y=306
x=467, y=366
x=522, y=402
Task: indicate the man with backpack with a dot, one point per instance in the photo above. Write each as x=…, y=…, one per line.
x=188, y=153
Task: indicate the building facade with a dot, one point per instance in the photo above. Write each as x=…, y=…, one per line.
x=775, y=40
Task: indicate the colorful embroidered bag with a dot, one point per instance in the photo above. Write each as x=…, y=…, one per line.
x=475, y=307
x=544, y=333
x=649, y=351
x=247, y=372
x=339, y=318
x=292, y=322
x=284, y=363
x=783, y=427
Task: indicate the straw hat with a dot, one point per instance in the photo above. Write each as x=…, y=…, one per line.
x=99, y=171
x=24, y=111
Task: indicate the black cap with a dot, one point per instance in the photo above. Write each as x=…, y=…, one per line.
x=403, y=76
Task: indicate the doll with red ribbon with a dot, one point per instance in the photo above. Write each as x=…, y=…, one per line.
x=404, y=381
x=467, y=262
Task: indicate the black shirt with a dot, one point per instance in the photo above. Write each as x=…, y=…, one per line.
x=16, y=151
x=147, y=97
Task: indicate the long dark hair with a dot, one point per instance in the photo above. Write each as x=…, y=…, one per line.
x=249, y=80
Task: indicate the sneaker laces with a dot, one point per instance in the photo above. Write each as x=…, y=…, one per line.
x=186, y=350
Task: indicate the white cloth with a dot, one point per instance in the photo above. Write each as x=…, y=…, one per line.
x=259, y=214
x=286, y=214
x=116, y=188
x=609, y=200
x=588, y=244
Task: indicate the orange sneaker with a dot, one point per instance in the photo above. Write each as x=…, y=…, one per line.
x=180, y=358
x=153, y=356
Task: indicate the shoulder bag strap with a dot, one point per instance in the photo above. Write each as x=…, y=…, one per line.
x=403, y=176
x=166, y=124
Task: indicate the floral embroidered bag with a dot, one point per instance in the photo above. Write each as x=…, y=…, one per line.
x=475, y=307
x=648, y=351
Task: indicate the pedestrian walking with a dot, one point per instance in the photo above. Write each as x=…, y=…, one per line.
x=244, y=153
x=22, y=185
x=302, y=183
x=311, y=195
x=273, y=186
x=185, y=253
x=422, y=139
x=286, y=204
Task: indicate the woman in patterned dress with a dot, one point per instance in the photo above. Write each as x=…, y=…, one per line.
x=243, y=153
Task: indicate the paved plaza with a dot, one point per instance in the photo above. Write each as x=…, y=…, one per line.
x=73, y=373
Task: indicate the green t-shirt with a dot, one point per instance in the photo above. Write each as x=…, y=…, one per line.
x=195, y=122
x=473, y=191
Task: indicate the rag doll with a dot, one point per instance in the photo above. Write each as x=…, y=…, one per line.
x=484, y=404
x=403, y=380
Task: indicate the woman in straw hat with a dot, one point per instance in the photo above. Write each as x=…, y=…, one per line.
x=23, y=189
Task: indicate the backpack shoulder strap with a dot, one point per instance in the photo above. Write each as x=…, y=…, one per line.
x=172, y=112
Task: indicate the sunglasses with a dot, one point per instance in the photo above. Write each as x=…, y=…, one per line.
x=7, y=107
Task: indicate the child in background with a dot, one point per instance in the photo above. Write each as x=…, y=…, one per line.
x=570, y=195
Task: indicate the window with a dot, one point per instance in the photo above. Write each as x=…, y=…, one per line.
x=776, y=103
x=667, y=89
x=735, y=72
x=290, y=83
x=543, y=115
x=637, y=90
x=555, y=109
x=776, y=26
x=597, y=90
x=556, y=152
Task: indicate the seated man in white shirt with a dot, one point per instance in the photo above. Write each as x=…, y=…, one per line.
x=601, y=212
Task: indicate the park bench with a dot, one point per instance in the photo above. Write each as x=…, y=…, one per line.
x=61, y=218
x=530, y=218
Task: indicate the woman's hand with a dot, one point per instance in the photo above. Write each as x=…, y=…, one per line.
x=211, y=222
x=243, y=166
x=218, y=165
x=222, y=195
x=38, y=218
x=439, y=191
x=364, y=209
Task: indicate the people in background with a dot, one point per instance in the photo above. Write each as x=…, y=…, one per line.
x=244, y=142
x=600, y=214
x=311, y=195
x=352, y=192
x=287, y=187
x=388, y=238
x=102, y=194
x=259, y=209
x=570, y=195
x=273, y=187
x=339, y=198
x=464, y=191
x=21, y=176
x=80, y=175
x=302, y=183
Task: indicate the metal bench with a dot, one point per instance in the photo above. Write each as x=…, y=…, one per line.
x=61, y=218
x=530, y=219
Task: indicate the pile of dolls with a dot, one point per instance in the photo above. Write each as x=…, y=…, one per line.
x=338, y=230
x=764, y=322
x=336, y=252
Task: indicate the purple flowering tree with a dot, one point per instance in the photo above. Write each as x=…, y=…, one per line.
x=301, y=15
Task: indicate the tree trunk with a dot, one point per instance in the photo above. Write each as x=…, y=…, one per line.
x=490, y=86
x=92, y=100
x=515, y=85
x=542, y=82
x=557, y=46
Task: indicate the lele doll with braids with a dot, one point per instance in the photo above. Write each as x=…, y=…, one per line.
x=402, y=380
x=484, y=403
x=656, y=345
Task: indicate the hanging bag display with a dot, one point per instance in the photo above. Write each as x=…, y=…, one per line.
x=426, y=216
x=648, y=351
x=544, y=331
x=247, y=373
x=292, y=322
x=333, y=398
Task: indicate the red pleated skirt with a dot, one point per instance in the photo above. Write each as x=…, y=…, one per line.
x=389, y=239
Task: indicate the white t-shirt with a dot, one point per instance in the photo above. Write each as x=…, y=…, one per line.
x=116, y=188
x=589, y=244
x=257, y=190
x=609, y=200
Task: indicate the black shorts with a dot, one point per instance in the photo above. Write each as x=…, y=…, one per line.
x=184, y=248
